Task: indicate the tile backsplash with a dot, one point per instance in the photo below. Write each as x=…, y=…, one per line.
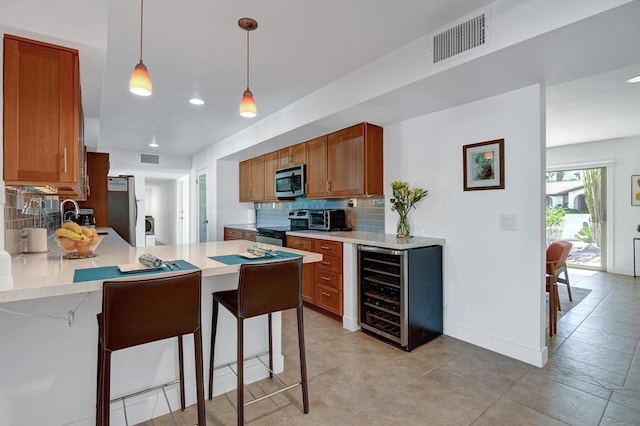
x=27, y=210
x=368, y=216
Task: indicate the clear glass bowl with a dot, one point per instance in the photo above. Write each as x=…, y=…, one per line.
x=72, y=251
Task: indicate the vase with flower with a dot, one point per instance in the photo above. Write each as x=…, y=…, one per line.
x=402, y=201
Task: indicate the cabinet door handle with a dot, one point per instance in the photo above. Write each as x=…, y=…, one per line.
x=325, y=263
x=65, y=160
x=325, y=248
x=297, y=243
x=325, y=294
x=325, y=278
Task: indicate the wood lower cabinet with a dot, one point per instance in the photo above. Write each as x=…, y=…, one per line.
x=321, y=281
x=43, y=140
x=238, y=234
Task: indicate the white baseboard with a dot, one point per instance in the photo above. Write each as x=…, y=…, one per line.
x=531, y=356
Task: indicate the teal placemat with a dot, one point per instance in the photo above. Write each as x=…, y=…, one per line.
x=110, y=272
x=236, y=259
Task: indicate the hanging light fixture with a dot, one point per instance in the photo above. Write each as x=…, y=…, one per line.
x=248, y=105
x=140, y=82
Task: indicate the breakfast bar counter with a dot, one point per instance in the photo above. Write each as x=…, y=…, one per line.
x=48, y=274
x=49, y=336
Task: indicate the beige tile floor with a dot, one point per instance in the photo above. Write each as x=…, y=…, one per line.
x=592, y=378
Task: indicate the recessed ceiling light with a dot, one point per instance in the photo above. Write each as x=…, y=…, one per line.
x=635, y=79
x=154, y=144
x=196, y=101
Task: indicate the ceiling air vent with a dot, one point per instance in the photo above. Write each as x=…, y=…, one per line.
x=149, y=158
x=461, y=38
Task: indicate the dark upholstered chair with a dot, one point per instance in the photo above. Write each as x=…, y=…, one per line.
x=557, y=254
x=263, y=288
x=143, y=311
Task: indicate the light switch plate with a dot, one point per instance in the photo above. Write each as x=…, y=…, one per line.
x=509, y=222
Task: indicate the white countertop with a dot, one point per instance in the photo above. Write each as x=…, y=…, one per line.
x=48, y=274
x=372, y=239
x=243, y=226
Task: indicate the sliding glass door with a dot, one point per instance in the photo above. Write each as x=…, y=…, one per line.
x=576, y=212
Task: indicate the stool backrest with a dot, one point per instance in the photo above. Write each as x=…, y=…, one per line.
x=145, y=310
x=269, y=287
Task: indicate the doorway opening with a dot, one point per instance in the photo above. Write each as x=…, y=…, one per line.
x=576, y=212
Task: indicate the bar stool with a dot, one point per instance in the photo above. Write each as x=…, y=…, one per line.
x=263, y=288
x=143, y=311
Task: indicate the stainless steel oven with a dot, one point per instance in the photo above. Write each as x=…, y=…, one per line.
x=275, y=235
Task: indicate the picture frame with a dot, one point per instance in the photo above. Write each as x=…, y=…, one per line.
x=635, y=190
x=483, y=165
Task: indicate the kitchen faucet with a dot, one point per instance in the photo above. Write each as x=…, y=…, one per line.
x=75, y=205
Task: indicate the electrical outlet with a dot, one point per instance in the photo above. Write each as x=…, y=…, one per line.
x=353, y=202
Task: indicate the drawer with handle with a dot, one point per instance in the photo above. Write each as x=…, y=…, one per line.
x=330, y=279
x=300, y=243
x=329, y=298
x=333, y=248
x=330, y=264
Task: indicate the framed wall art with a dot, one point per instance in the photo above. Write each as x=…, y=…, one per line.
x=483, y=165
x=635, y=190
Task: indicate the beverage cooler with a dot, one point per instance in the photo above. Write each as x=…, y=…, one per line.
x=400, y=294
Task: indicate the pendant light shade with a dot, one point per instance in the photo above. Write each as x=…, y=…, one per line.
x=248, y=104
x=140, y=82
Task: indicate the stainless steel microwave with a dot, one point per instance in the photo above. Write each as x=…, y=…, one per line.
x=291, y=181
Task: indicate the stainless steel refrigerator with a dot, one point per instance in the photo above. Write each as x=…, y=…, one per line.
x=123, y=207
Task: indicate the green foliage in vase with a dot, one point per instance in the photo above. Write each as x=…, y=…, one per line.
x=403, y=199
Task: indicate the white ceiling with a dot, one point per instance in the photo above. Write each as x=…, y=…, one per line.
x=196, y=48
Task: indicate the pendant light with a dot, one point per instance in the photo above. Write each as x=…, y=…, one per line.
x=248, y=105
x=140, y=82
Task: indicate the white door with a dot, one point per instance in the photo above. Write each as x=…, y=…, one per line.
x=202, y=207
x=182, y=222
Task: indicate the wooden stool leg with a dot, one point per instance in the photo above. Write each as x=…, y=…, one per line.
x=197, y=340
x=181, y=368
x=99, y=379
x=303, y=360
x=240, y=385
x=214, y=326
x=566, y=279
x=106, y=388
x=270, y=346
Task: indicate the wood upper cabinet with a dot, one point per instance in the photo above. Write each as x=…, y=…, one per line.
x=42, y=115
x=317, y=168
x=345, y=163
x=245, y=180
x=97, y=192
x=270, y=167
x=354, y=161
x=292, y=156
x=251, y=179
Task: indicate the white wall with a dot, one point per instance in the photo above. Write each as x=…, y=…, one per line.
x=229, y=210
x=164, y=205
x=623, y=218
x=493, y=292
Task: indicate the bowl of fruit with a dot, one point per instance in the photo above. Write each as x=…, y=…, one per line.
x=77, y=241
